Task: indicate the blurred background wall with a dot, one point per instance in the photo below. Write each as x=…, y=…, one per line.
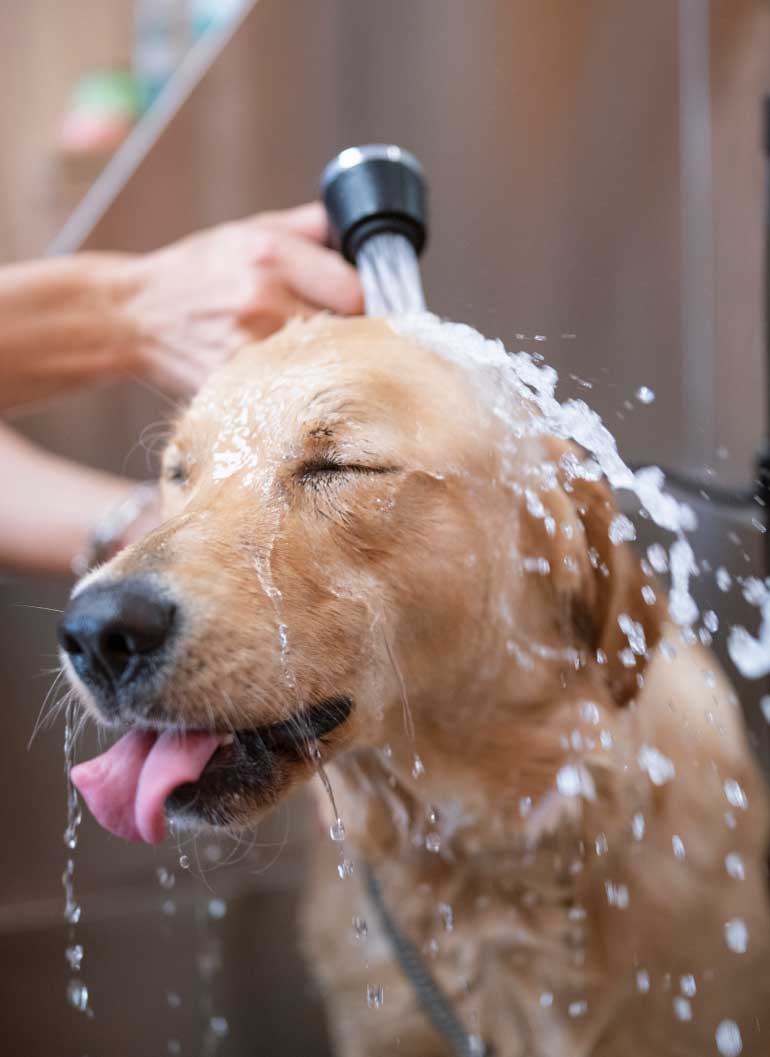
x=596, y=178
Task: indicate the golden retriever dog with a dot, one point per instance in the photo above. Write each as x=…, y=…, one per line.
x=379, y=564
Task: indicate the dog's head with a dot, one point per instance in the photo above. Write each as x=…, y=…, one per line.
x=365, y=540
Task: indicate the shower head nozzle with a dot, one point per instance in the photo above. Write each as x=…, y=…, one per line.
x=374, y=189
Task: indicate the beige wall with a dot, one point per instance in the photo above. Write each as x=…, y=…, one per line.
x=44, y=46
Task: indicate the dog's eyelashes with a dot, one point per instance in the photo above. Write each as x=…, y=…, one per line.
x=322, y=465
x=321, y=469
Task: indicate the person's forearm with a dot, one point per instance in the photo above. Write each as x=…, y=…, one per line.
x=49, y=506
x=64, y=322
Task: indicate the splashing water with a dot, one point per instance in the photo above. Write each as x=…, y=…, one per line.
x=728, y=1039
x=265, y=577
x=522, y=375
x=375, y=996
x=390, y=276
x=77, y=991
x=337, y=828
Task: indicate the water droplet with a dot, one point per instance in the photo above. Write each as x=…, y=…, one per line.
x=657, y=557
x=621, y=530
x=540, y=337
x=386, y=751
x=659, y=768
x=728, y=1038
x=682, y=1008
x=677, y=845
x=648, y=595
x=375, y=996
x=418, y=768
x=645, y=395
x=72, y=913
x=219, y=1027
x=642, y=981
x=574, y=779
x=169, y=907
x=165, y=878
x=525, y=806
x=578, y=1009
x=711, y=621
x=546, y=999
x=476, y=1047
x=589, y=712
x=445, y=913
x=74, y=956
x=360, y=928
x=173, y=1000
x=345, y=869
x=737, y=935
x=617, y=895
x=432, y=814
x=433, y=842
x=601, y=845
x=77, y=995
x=217, y=909
x=723, y=579
x=687, y=985
x=734, y=866
x=637, y=825
x=735, y=795
x=184, y=862
x=337, y=830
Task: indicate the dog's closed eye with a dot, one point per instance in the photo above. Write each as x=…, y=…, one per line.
x=324, y=469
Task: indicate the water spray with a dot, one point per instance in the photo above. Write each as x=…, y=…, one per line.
x=376, y=199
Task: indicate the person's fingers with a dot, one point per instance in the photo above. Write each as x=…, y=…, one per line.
x=274, y=302
x=309, y=221
x=319, y=275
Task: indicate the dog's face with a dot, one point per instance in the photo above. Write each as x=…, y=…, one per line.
x=350, y=537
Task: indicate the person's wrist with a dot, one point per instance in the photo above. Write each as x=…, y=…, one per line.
x=142, y=311
x=130, y=277
x=118, y=280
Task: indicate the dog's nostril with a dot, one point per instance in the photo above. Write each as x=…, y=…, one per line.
x=116, y=643
x=71, y=644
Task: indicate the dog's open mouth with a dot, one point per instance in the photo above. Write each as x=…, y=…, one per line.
x=200, y=776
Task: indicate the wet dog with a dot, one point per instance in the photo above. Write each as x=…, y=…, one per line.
x=378, y=559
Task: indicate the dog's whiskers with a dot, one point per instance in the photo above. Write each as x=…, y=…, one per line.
x=49, y=711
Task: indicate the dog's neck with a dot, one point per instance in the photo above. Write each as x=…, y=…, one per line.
x=488, y=798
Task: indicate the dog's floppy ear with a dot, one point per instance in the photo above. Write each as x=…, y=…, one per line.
x=627, y=608
x=617, y=610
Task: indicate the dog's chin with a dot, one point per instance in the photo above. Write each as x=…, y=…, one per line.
x=256, y=768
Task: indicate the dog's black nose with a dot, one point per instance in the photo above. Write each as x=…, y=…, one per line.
x=110, y=630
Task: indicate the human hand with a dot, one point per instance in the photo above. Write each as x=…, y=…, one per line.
x=197, y=301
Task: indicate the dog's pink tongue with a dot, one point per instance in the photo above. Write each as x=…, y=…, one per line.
x=126, y=787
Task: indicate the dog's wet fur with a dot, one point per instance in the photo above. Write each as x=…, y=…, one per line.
x=357, y=580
